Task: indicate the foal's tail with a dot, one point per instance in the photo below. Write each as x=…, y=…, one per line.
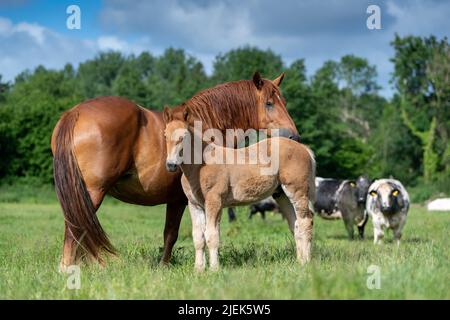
x=311, y=180
x=79, y=211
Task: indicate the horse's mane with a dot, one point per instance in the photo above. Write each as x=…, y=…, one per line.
x=230, y=105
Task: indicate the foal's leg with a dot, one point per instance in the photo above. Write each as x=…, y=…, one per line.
x=304, y=223
x=174, y=213
x=213, y=205
x=287, y=210
x=198, y=235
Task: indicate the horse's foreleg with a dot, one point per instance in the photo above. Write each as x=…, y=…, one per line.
x=198, y=235
x=213, y=207
x=174, y=213
x=303, y=225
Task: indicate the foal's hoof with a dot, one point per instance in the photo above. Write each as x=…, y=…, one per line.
x=199, y=269
x=214, y=269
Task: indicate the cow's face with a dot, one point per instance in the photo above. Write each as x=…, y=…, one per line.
x=388, y=197
x=362, y=187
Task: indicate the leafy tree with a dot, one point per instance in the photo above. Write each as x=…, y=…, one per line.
x=95, y=77
x=176, y=77
x=131, y=78
x=4, y=88
x=243, y=62
x=29, y=115
x=421, y=77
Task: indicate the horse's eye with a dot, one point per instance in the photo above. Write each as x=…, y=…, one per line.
x=269, y=104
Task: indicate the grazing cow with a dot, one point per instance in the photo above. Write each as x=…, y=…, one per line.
x=343, y=199
x=268, y=204
x=388, y=205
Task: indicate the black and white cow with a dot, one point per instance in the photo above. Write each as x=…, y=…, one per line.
x=388, y=205
x=268, y=204
x=343, y=199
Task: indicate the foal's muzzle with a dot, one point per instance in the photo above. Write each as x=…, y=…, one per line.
x=171, y=166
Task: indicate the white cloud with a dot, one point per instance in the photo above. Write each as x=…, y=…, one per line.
x=25, y=46
x=295, y=29
x=111, y=43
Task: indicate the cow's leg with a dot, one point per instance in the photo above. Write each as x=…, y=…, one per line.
x=349, y=227
x=72, y=252
x=263, y=215
x=253, y=211
x=287, y=210
x=231, y=214
x=304, y=223
x=198, y=235
x=378, y=235
x=362, y=225
x=213, y=206
x=397, y=235
x=174, y=213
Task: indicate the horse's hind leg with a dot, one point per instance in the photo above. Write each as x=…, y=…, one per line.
x=174, y=213
x=304, y=222
x=287, y=210
x=71, y=255
x=72, y=252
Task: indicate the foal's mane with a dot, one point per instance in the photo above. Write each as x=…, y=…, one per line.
x=229, y=105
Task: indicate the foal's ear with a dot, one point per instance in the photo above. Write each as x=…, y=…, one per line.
x=167, y=114
x=185, y=114
x=278, y=80
x=258, y=81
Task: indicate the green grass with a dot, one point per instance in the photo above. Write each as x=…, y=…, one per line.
x=257, y=259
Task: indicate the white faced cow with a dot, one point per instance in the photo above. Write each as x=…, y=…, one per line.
x=343, y=199
x=388, y=205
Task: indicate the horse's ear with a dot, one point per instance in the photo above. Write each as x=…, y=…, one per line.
x=278, y=80
x=167, y=114
x=186, y=114
x=258, y=81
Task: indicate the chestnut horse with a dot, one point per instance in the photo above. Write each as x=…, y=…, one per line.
x=111, y=145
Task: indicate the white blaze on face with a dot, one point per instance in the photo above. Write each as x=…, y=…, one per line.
x=384, y=192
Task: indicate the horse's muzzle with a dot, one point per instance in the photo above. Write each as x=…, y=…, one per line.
x=171, y=166
x=287, y=133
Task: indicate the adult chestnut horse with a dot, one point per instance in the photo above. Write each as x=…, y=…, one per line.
x=111, y=145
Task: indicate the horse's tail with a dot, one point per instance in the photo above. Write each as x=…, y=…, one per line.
x=311, y=180
x=79, y=211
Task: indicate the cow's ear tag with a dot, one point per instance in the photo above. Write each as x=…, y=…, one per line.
x=352, y=184
x=395, y=193
x=373, y=193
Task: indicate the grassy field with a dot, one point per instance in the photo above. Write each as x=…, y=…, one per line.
x=257, y=259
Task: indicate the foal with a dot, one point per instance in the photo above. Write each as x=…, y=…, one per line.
x=210, y=186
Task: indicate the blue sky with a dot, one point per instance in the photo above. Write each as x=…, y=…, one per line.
x=34, y=32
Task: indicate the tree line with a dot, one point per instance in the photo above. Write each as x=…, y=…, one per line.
x=338, y=110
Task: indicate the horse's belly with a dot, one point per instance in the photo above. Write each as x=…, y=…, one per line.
x=253, y=189
x=147, y=191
